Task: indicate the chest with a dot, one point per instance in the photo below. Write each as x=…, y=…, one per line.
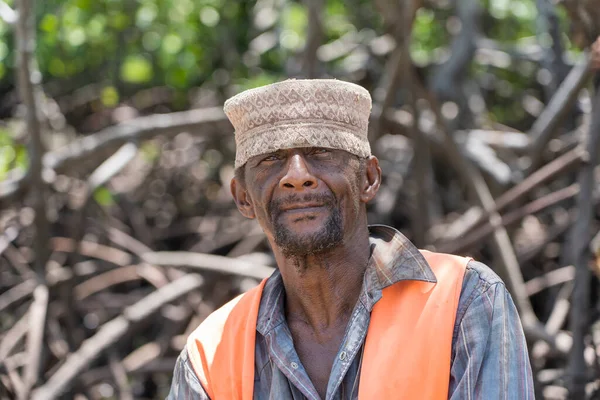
x=318, y=354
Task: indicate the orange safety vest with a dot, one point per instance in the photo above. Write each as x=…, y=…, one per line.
x=407, y=350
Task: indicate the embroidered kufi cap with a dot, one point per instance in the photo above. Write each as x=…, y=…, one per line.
x=300, y=113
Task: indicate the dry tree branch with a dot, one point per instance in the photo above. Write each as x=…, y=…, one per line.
x=13, y=255
x=387, y=87
x=15, y=382
x=543, y=128
x=112, y=166
x=14, y=187
x=162, y=365
x=28, y=76
x=560, y=165
x=314, y=38
x=111, y=332
x=90, y=249
x=35, y=337
x=421, y=220
x=552, y=278
x=556, y=319
x=7, y=237
x=579, y=256
x=11, y=338
x=135, y=130
x=106, y=280
x=560, y=225
x=120, y=376
x=548, y=25
x=208, y=262
x=17, y=293
x=479, y=234
x=449, y=78
x=126, y=241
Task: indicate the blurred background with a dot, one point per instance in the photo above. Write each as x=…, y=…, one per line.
x=118, y=234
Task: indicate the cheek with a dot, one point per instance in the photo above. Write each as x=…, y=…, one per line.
x=261, y=199
x=353, y=202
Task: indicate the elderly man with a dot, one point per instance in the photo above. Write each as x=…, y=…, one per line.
x=353, y=311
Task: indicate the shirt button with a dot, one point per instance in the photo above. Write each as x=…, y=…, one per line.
x=294, y=365
x=343, y=355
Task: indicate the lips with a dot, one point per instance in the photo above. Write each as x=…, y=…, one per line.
x=295, y=204
x=300, y=207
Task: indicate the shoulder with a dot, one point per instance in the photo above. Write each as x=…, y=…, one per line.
x=478, y=279
x=480, y=286
x=185, y=384
x=230, y=313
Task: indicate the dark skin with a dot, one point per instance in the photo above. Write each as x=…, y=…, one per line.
x=322, y=285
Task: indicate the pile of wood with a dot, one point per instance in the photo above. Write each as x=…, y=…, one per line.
x=129, y=274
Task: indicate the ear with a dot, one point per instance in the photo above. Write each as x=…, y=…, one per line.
x=371, y=180
x=242, y=198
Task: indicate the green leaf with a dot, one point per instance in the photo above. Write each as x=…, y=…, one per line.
x=172, y=44
x=136, y=69
x=150, y=151
x=177, y=77
x=22, y=158
x=259, y=80
x=56, y=67
x=109, y=96
x=84, y=4
x=118, y=20
x=209, y=16
x=49, y=23
x=76, y=36
x=7, y=156
x=104, y=197
x=146, y=15
x=96, y=27
x=3, y=50
x=151, y=40
x=295, y=18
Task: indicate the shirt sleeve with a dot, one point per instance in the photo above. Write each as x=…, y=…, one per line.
x=185, y=384
x=489, y=355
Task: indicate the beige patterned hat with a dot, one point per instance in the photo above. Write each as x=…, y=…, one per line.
x=300, y=113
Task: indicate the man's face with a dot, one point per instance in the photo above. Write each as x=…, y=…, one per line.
x=305, y=199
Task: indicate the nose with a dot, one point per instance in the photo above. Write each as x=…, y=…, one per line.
x=297, y=176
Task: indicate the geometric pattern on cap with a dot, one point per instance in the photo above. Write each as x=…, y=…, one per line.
x=300, y=113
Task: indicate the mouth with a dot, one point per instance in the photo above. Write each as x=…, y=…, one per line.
x=299, y=208
x=300, y=212
x=302, y=208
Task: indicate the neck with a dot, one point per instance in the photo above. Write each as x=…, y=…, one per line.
x=322, y=289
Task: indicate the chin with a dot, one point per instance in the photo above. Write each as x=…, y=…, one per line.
x=306, y=237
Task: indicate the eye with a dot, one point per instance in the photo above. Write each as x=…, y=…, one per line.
x=320, y=150
x=270, y=157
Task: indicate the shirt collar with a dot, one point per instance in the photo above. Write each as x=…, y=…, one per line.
x=393, y=258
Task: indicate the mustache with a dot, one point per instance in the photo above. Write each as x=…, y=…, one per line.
x=275, y=206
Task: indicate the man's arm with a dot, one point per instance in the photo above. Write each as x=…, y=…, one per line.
x=185, y=384
x=489, y=355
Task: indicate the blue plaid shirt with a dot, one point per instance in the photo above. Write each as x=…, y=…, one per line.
x=489, y=354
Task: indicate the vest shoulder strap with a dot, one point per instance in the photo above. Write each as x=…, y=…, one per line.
x=221, y=349
x=408, y=348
